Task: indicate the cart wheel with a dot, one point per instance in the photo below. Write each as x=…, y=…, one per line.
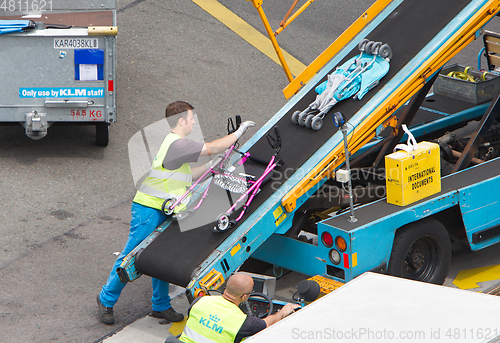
x=316, y=123
x=362, y=44
x=165, y=207
x=421, y=251
x=102, y=134
x=308, y=121
x=302, y=118
x=295, y=117
x=223, y=223
x=375, y=47
x=385, y=51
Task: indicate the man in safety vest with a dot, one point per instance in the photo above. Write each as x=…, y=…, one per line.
x=218, y=319
x=170, y=176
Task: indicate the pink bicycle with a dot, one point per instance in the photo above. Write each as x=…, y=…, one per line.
x=222, y=174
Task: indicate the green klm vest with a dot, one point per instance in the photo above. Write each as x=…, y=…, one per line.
x=213, y=319
x=162, y=183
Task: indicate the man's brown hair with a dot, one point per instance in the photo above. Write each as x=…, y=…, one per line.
x=177, y=107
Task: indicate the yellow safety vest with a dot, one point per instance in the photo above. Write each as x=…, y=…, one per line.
x=213, y=319
x=162, y=183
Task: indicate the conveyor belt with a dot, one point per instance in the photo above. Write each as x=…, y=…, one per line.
x=438, y=106
x=174, y=255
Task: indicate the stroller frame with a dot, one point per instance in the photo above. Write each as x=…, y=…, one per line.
x=312, y=117
x=221, y=170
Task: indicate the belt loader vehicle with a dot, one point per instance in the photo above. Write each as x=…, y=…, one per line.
x=295, y=221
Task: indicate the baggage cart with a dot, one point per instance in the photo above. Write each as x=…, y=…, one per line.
x=63, y=69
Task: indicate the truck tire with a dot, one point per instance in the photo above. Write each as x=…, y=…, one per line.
x=102, y=134
x=422, y=252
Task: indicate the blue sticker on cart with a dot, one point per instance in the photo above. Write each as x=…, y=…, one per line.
x=89, y=64
x=66, y=92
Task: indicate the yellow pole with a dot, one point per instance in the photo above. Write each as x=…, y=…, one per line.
x=293, y=17
x=257, y=4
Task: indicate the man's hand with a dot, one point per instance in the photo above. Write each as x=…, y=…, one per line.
x=285, y=311
x=243, y=128
x=221, y=144
x=288, y=309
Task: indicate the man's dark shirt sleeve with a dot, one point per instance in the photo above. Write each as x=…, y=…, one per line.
x=250, y=326
x=182, y=151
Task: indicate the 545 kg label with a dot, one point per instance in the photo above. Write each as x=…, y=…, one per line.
x=86, y=114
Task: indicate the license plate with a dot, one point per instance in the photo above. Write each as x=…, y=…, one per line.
x=76, y=43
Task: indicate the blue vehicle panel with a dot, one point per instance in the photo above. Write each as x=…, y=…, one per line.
x=480, y=207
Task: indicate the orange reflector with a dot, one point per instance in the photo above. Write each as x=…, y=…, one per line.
x=341, y=243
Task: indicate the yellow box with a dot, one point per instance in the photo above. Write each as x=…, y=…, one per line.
x=212, y=280
x=411, y=176
x=326, y=285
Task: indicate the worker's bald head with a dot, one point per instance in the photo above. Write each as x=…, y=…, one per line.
x=239, y=284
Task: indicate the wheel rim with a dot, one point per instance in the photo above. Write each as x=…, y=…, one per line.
x=422, y=259
x=375, y=47
x=166, y=206
x=316, y=124
x=368, y=47
x=362, y=44
x=302, y=119
x=385, y=51
x=223, y=222
x=308, y=121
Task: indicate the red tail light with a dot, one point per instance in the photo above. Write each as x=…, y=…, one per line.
x=327, y=239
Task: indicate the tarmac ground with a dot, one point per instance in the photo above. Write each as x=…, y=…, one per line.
x=65, y=208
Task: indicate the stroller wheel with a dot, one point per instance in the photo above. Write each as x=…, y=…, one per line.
x=362, y=44
x=308, y=121
x=165, y=207
x=368, y=47
x=375, y=47
x=295, y=117
x=385, y=51
x=316, y=123
x=302, y=118
x=223, y=223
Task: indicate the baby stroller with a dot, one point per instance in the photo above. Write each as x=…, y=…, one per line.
x=353, y=79
x=222, y=174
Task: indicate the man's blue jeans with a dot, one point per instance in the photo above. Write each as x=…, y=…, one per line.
x=144, y=221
